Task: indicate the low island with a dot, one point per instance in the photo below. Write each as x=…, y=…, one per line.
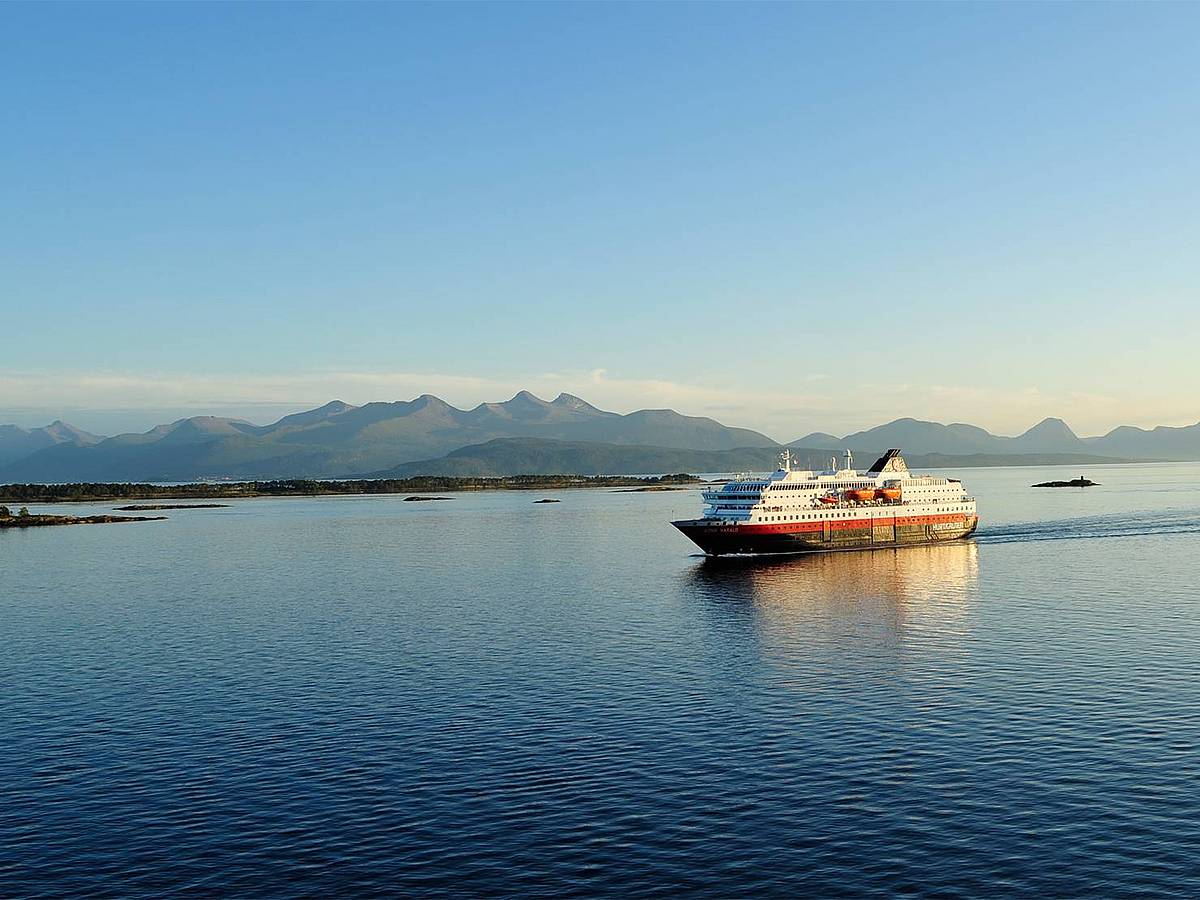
x=644, y=490
x=139, y=507
x=23, y=518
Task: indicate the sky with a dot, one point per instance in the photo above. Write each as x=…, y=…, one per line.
x=788, y=217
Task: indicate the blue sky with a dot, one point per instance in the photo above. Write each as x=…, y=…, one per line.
x=790, y=217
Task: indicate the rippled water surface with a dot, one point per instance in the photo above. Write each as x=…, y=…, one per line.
x=362, y=695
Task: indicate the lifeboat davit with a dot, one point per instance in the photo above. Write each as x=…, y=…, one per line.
x=892, y=494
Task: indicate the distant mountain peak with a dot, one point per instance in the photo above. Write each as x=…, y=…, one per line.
x=64, y=432
x=17, y=443
x=523, y=406
x=570, y=401
x=1050, y=420
x=426, y=400
x=1051, y=423
x=310, y=416
x=818, y=440
x=1048, y=435
x=527, y=397
x=426, y=407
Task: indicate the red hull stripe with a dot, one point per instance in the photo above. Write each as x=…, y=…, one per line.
x=844, y=524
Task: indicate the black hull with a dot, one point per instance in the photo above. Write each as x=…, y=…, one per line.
x=723, y=540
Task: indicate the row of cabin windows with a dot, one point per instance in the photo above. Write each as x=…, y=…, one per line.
x=835, y=515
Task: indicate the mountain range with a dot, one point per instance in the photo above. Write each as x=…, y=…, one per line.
x=339, y=440
x=519, y=436
x=1048, y=436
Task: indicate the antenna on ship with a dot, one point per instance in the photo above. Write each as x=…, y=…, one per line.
x=785, y=459
x=849, y=460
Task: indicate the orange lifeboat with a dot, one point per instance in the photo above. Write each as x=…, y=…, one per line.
x=828, y=499
x=861, y=494
x=892, y=494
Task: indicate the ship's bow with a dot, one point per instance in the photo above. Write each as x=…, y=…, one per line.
x=700, y=532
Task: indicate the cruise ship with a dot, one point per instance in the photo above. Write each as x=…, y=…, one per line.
x=797, y=511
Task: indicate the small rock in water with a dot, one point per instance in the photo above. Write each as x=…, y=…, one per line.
x=415, y=499
x=547, y=500
x=1078, y=482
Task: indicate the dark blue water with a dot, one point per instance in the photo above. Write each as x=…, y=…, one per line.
x=361, y=695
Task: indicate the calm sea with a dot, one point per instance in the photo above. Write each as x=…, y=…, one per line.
x=359, y=695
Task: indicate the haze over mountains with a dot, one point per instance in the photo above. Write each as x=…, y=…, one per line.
x=523, y=435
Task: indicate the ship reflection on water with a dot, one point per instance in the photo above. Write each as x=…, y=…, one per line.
x=862, y=614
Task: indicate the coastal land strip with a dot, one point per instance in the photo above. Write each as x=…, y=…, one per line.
x=84, y=492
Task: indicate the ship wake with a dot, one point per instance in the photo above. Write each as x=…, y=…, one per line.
x=1144, y=524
